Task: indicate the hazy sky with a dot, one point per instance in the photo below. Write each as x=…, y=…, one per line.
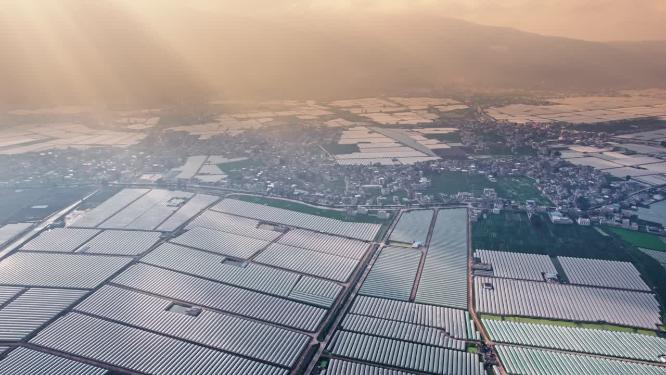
x=599, y=20
x=60, y=51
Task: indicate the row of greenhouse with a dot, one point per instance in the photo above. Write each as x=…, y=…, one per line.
x=618, y=344
x=146, y=209
x=412, y=227
x=393, y=274
x=566, y=302
x=309, y=262
x=252, y=276
x=221, y=331
x=140, y=350
x=446, y=261
x=404, y=354
x=455, y=322
x=360, y=231
x=530, y=361
x=555, y=293
x=577, y=271
x=521, y=266
x=219, y=221
x=225, y=293
x=93, y=241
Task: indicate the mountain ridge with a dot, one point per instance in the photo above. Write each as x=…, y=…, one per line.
x=123, y=60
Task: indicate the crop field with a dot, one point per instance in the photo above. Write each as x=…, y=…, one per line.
x=639, y=239
x=235, y=165
x=337, y=149
x=512, y=231
x=385, y=146
x=514, y=188
x=582, y=110
x=519, y=189
x=35, y=204
x=589, y=304
x=445, y=137
x=55, y=136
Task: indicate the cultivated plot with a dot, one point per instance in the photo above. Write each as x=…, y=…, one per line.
x=520, y=361
x=576, y=339
x=412, y=227
x=516, y=265
x=604, y=273
x=566, y=302
x=446, y=261
x=393, y=274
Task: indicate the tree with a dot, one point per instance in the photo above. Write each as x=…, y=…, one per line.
x=582, y=203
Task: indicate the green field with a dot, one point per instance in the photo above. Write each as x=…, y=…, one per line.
x=236, y=165
x=513, y=188
x=339, y=149
x=639, y=239
x=453, y=137
x=457, y=114
x=512, y=231
x=519, y=189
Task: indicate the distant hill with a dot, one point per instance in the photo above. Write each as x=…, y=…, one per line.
x=112, y=57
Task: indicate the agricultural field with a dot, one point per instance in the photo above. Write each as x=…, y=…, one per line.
x=639, y=239
x=500, y=296
x=514, y=188
x=385, y=146
x=232, y=166
x=196, y=285
x=512, y=231
x=582, y=110
x=446, y=137
x=56, y=136
x=399, y=110
x=35, y=204
x=300, y=207
x=338, y=149
x=564, y=323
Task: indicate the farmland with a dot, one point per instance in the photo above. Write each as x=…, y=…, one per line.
x=336, y=149
x=588, y=110
x=512, y=231
x=446, y=137
x=565, y=323
x=638, y=239
x=240, y=164
x=34, y=204
x=500, y=296
x=513, y=188
x=400, y=321
x=264, y=288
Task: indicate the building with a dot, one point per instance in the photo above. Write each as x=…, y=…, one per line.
x=556, y=217
x=584, y=221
